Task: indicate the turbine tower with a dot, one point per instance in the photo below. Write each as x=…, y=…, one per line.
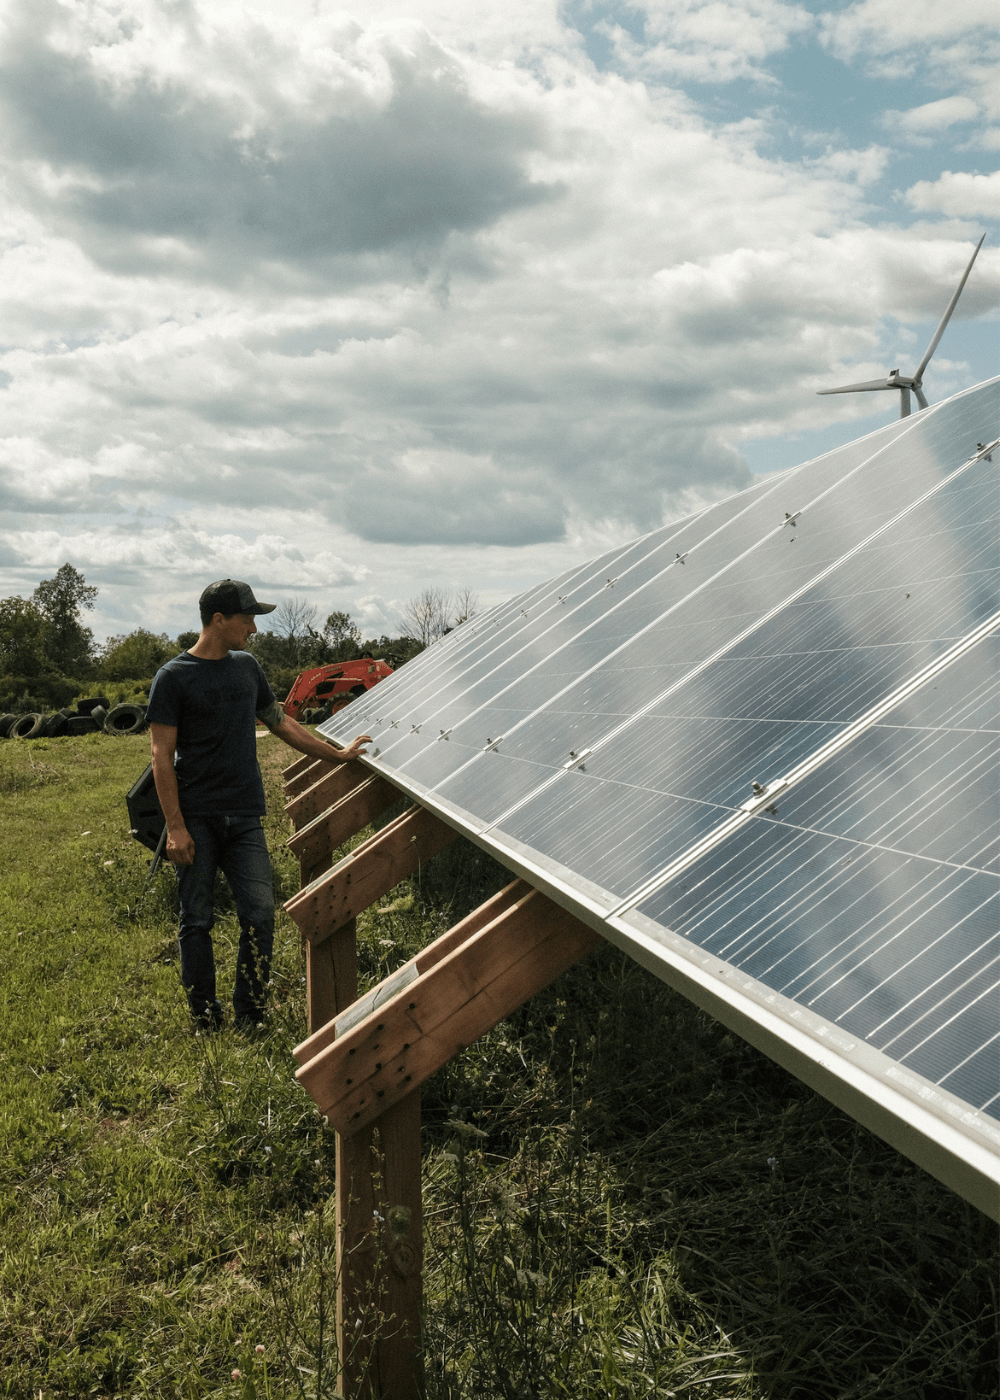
x=915, y=381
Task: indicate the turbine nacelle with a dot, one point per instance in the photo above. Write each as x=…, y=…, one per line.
x=913, y=383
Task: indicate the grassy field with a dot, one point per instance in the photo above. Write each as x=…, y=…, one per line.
x=621, y=1199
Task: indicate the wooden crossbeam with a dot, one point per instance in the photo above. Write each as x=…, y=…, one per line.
x=297, y=766
x=369, y=872
x=303, y=773
x=342, y=820
x=420, y=1026
x=355, y=1009
x=334, y=784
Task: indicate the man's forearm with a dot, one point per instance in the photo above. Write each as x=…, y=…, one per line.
x=165, y=779
x=299, y=738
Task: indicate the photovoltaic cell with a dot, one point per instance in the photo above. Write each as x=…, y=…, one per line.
x=871, y=939
x=608, y=720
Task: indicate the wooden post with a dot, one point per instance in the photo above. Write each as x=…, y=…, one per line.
x=365, y=1058
x=379, y=1218
x=331, y=975
x=379, y=1257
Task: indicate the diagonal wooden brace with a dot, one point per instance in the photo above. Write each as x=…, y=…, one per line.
x=297, y=766
x=358, y=1008
x=325, y=792
x=303, y=773
x=369, y=872
x=442, y=1010
x=342, y=820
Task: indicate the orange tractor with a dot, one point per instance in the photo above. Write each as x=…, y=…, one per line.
x=323, y=689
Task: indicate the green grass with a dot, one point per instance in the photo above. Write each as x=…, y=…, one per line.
x=621, y=1199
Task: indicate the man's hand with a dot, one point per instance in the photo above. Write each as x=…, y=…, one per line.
x=180, y=847
x=299, y=738
x=355, y=750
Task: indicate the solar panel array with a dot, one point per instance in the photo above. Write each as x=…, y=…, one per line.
x=766, y=734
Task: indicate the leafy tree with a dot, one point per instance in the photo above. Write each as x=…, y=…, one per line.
x=342, y=636
x=393, y=650
x=23, y=629
x=68, y=643
x=186, y=640
x=138, y=653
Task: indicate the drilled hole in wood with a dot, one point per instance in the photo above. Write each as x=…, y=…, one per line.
x=378, y=1066
x=406, y=1047
x=412, y=1006
x=350, y=1081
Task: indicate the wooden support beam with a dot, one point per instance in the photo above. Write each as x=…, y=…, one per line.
x=303, y=773
x=324, y=1033
x=369, y=872
x=297, y=766
x=378, y=1213
x=334, y=784
x=379, y=1257
x=331, y=976
x=422, y=1025
x=342, y=820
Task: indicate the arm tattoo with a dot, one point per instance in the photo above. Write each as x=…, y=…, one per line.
x=274, y=716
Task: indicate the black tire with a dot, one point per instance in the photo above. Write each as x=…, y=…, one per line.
x=125, y=719
x=6, y=721
x=88, y=706
x=82, y=724
x=358, y=690
x=99, y=714
x=56, y=725
x=27, y=726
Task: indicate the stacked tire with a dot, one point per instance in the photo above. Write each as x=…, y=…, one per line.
x=125, y=719
x=93, y=715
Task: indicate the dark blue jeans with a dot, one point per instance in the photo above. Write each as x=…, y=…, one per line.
x=236, y=846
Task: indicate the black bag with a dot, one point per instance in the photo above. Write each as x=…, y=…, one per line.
x=145, y=813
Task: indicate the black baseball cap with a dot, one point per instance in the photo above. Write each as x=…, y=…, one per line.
x=230, y=596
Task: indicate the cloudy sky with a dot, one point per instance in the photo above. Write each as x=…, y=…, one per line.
x=349, y=302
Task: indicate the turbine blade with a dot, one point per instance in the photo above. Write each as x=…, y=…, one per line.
x=871, y=384
x=919, y=372
x=920, y=396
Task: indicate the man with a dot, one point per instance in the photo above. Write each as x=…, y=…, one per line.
x=202, y=710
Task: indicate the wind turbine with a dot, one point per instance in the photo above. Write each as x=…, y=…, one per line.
x=915, y=381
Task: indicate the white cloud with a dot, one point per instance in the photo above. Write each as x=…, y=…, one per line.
x=353, y=308
x=878, y=26
x=221, y=149
x=928, y=121
x=952, y=45
x=709, y=41
x=958, y=194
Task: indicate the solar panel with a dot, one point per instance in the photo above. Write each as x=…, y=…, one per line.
x=761, y=744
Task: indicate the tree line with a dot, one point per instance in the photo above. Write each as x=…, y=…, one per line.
x=48, y=655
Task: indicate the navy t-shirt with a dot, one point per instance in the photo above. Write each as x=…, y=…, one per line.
x=214, y=705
